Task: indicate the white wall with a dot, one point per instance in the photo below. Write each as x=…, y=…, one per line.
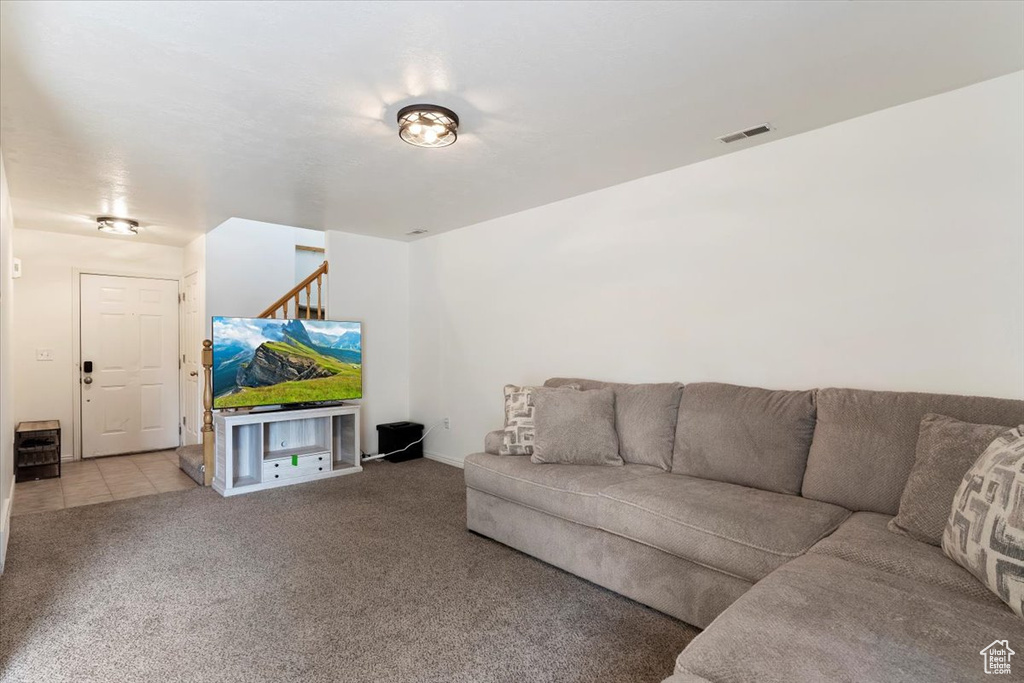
x=308, y=261
x=883, y=252
x=249, y=265
x=369, y=282
x=309, y=238
x=6, y=365
x=43, y=319
x=193, y=260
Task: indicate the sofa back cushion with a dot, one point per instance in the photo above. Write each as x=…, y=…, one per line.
x=865, y=442
x=744, y=435
x=645, y=418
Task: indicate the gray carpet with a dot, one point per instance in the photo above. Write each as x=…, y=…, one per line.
x=369, y=577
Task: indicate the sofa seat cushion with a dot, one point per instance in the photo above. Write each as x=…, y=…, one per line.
x=737, y=530
x=820, y=618
x=566, y=491
x=864, y=539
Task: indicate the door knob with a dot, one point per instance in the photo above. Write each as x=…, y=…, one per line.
x=193, y=373
x=87, y=380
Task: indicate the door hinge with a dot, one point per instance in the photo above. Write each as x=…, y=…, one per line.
x=183, y=418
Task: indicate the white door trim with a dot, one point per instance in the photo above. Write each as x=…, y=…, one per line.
x=182, y=342
x=76, y=339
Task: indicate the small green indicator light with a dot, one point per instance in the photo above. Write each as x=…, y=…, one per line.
x=295, y=461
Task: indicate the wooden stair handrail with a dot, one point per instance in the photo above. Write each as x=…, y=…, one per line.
x=293, y=295
x=208, y=453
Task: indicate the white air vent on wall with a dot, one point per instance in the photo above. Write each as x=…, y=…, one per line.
x=748, y=133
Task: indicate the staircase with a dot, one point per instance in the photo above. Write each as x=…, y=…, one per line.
x=298, y=305
x=197, y=461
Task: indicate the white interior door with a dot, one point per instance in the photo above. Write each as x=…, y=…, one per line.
x=129, y=334
x=190, y=356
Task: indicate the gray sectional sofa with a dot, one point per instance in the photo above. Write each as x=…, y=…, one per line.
x=766, y=527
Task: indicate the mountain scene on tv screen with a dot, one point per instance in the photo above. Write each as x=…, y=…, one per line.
x=271, y=362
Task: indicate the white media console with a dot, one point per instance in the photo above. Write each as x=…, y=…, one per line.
x=264, y=450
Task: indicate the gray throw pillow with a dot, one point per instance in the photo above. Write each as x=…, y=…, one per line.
x=518, y=436
x=985, y=530
x=946, y=448
x=645, y=418
x=575, y=427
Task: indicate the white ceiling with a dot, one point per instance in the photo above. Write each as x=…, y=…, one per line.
x=183, y=114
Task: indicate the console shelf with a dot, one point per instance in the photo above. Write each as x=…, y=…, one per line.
x=289, y=452
x=268, y=449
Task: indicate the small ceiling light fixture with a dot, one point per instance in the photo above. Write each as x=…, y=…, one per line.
x=428, y=125
x=117, y=226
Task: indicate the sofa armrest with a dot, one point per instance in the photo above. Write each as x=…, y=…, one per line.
x=492, y=442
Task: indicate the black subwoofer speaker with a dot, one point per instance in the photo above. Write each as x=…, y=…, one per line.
x=398, y=439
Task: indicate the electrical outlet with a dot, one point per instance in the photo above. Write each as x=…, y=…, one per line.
x=447, y=423
x=44, y=354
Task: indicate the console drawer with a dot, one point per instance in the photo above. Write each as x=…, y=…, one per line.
x=282, y=468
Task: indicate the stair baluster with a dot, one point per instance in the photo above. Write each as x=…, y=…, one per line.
x=293, y=296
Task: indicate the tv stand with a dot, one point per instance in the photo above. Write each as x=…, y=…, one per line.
x=265, y=450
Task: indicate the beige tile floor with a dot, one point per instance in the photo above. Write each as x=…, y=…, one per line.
x=100, y=480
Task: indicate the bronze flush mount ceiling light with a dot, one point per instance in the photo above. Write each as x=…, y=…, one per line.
x=428, y=125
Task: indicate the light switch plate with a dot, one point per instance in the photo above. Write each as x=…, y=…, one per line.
x=44, y=354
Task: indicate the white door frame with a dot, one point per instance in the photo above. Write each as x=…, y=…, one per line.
x=183, y=341
x=76, y=340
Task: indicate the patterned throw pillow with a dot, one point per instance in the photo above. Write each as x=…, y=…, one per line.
x=519, y=431
x=985, y=532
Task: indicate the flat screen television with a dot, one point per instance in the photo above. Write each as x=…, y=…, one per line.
x=261, y=361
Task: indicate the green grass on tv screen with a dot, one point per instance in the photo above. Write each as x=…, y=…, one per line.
x=345, y=385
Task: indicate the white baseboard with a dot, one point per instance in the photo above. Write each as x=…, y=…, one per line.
x=5, y=522
x=446, y=459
